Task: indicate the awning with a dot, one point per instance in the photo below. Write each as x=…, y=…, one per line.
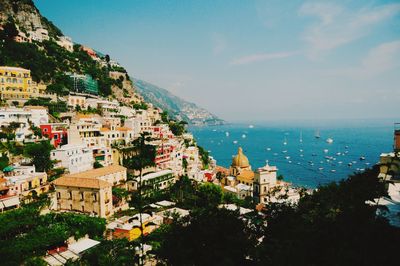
x=9, y=202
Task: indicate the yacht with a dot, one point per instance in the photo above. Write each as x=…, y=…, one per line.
x=329, y=140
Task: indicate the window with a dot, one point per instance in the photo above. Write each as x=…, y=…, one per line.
x=70, y=196
x=58, y=195
x=70, y=206
x=83, y=208
x=94, y=197
x=82, y=196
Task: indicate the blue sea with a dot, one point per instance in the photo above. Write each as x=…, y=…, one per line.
x=305, y=160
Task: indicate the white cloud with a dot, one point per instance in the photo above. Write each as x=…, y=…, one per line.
x=338, y=26
x=248, y=59
x=380, y=59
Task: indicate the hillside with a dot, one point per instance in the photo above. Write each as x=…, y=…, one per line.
x=176, y=107
x=30, y=41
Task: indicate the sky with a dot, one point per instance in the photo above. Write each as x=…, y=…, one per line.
x=251, y=60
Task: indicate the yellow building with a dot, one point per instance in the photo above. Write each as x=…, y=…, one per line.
x=86, y=195
x=16, y=84
x=130, y=227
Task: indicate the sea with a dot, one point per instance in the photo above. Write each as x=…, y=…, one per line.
x=302, y=158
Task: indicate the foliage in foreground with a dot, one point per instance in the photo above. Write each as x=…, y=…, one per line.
x=25, y=234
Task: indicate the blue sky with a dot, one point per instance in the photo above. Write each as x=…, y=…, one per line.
x=251, y=60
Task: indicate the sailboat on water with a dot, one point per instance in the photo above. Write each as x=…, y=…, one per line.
x=301, y=136
x=285, y=141
x=317, y=135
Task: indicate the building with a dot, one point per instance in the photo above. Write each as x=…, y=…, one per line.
x=264, y=181
x=76, y=100
x=23, y=117
x=114, y=174
x=39, y=114
x=89, y=51
x=86, y=195
x=85, y=84
x=129, y=227
x=25, y=181
x=75, y=158
x=153, y=182
x=16, y=84
x=66, y=43
x=56, y=132
x=39, y=35
x=239, y=163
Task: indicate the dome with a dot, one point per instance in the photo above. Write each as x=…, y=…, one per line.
x=240, y=160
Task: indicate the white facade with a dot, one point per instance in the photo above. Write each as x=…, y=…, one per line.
x=66, y=42
x=76, y=158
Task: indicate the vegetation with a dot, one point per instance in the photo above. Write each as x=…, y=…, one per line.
x=53, y=107
x=177, y=128
x=212, y=237
x=204, y=156
x=40, y=154
x=25, y=234
x=50, y=62
x=140, y=106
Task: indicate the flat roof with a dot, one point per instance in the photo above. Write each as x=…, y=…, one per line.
x=81, y=182
x=82, y=245
x=156, y=174
x=99, y=172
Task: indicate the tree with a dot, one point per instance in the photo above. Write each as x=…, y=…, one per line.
x=40, y=154
x=209, y=196
x=331, y=226
x=210, y=237
x=9, y=30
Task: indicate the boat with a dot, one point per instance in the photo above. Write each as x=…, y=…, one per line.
x=214, y=130
x=329, y=140
x=285, y=151
x=326, y=150
x=301, y=150
x=268, y=149
x=362, y=158
x=235, y=142
x=301, y=155
x=321, y=168
x=349, y=164
x=301, y=137
x=251, y=126
x=333, y=170
x=285, y=141
x=227, y=134
x=243, y=136
x=317, y=136
x=287, y=157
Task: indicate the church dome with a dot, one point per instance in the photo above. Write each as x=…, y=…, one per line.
x=240, y=160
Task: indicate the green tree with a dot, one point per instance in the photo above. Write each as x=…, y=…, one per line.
x=40, y=154
x=209, y=196
x=211, y=237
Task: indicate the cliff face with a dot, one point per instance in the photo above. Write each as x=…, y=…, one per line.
x=26, y=16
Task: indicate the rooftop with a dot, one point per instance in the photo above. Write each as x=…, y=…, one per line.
x=95, y=173
x=66, y=181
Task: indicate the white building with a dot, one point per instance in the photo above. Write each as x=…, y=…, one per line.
x=39, y=35
x=75, y=158
x=66, y=42
x=264, y=180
